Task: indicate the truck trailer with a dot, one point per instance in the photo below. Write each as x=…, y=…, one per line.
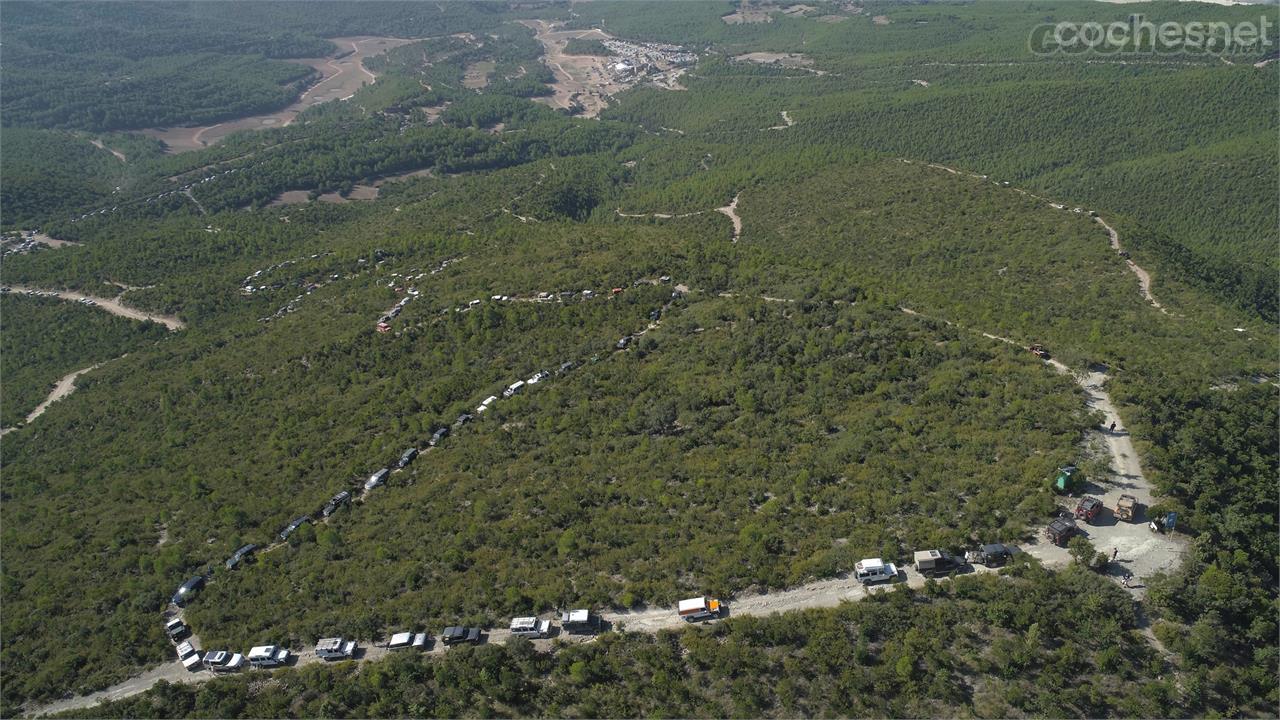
x=699, y=609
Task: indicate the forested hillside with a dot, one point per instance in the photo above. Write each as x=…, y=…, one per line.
x=44, y=339
x=770, y=306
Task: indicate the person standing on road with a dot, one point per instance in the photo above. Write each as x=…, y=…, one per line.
x=1113, y=426
x=1114, y=553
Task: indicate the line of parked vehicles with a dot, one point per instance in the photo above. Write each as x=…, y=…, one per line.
x=580, y=621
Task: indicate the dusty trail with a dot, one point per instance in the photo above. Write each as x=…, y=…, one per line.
x=64, y=387
x=1140, y=551
x=1144, y=277
x=731, y=210
x=119, y=155
x=111, y=305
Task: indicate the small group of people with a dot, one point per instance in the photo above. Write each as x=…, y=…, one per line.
x=1128, y=576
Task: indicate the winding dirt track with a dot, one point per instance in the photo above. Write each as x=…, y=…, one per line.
x=111, y=305
x=1144, y=277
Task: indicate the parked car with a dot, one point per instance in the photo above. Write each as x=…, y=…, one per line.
x=240, y=555
x=1088, y=508
x=268, y=656
x=224, y=661
x=437, y=436
x=407, y=457
x=1061, y=530
x=176, y=629
x=335, y=648
x=407, y=641
x=463, y=419
x=993, y=555
x=530, y=627
x=293, y=525
x=873, y=570
x=376, y=479
x=336, y=502
x=187, y=590
x=455, y=634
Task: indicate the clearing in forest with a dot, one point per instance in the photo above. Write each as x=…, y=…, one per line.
x=342, y=77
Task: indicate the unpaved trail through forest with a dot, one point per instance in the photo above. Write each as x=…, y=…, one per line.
x=1139, y=552
x=111, y=305
x=731, y=210
x=119, y=155
x=1144, y=277
x=64, y=387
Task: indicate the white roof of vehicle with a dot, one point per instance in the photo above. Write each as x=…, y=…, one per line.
x=329, y=644
x=697, y=603
x=236, y=660
x=401, y=638
x=262, y=651
x=192, y=659
x=927, y=555
x=579, y=616
x=871, y=564
x=524, y=623
x=185, y=649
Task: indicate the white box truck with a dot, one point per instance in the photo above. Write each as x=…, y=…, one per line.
x=699, y=609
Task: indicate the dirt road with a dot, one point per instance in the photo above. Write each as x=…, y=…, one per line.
x=731, y=210
x=341, y=78
x=119, y=155
x=64, y=387
x=111, y=305
x=1144, y=277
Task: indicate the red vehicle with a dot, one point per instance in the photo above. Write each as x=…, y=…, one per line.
x=1088, y=508
x=1039, y=351
x=383, y=327
x=617, y=291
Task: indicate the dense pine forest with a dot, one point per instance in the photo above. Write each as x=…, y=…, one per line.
x=727, y=410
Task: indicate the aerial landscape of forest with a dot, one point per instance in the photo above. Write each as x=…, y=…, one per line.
x=853, y=358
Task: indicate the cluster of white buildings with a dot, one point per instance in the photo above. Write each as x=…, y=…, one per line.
x=631, y=58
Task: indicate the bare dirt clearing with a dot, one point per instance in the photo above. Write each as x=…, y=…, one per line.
x=580, y=79
x=342, y=78
x=790, y=60
x=364, y=191
x=477, y=74
x=52, y=242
